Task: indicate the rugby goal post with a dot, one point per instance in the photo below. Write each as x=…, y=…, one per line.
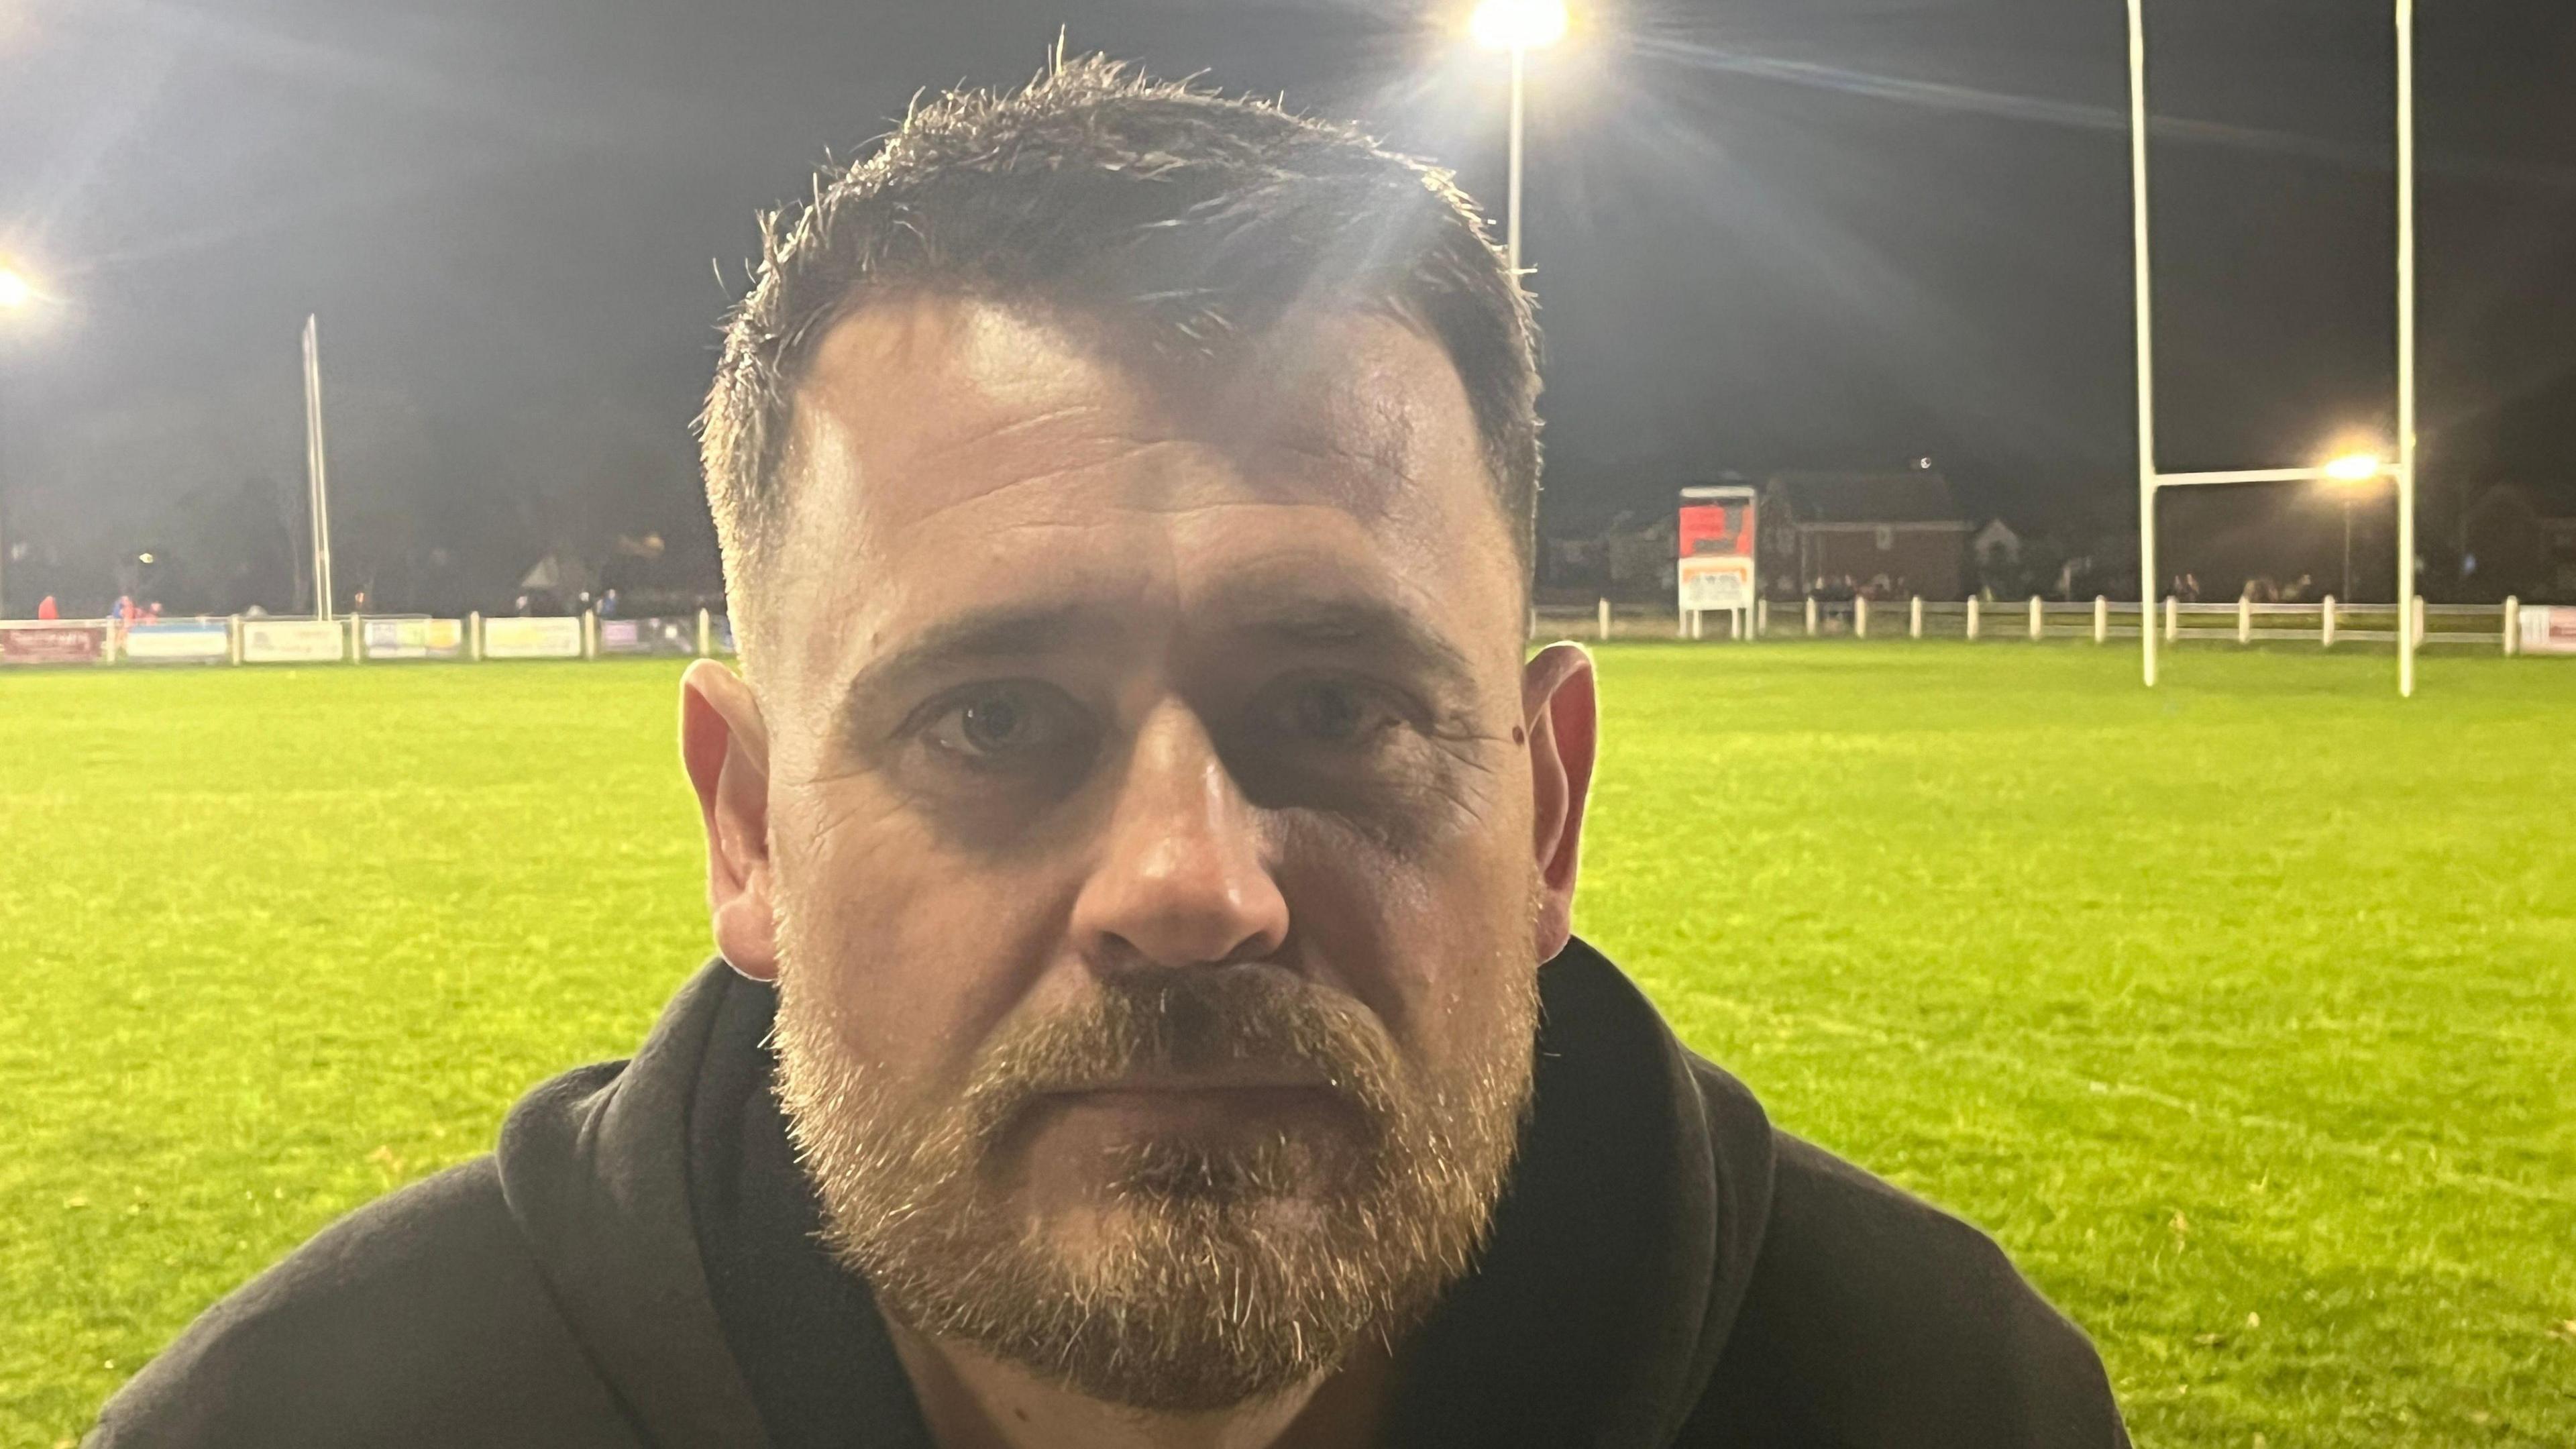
x=2403, y=470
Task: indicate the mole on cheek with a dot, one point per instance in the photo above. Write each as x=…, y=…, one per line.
x=1517, y=736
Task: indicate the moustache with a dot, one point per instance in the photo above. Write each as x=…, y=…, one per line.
x=1181, y=1022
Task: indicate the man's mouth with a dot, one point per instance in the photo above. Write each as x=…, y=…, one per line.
x=1223, y=1101
x=1199, y=1101
x=1232, y=1077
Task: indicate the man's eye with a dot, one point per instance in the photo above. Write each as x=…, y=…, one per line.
x=1003, y=723
x=1330, y=712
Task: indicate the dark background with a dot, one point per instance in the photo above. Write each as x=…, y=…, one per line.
x=1767, y=234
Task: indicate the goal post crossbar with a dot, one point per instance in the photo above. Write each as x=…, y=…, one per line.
x=2262, y=475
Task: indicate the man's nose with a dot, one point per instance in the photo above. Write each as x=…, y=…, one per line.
x=1183, y=877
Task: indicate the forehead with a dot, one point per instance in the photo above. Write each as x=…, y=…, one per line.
x=949, y=452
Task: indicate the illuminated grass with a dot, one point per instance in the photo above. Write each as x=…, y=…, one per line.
x=2245, y=1013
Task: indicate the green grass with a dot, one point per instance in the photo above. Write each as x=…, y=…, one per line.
x=2244, y=1012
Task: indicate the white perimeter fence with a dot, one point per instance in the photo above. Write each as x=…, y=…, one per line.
x=2510, y=627
x=359, y=639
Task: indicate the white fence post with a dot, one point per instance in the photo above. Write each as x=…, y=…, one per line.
x=1697, y=617
x=474, y=636
x=590, y=634
x=2035, y=625
x=1972, y=617
x=2173, y=619
x=2418, y=621
x=2101, y=620
x=1605, y=618
x=357, y=641
x=706, y=633
x=2245, y=619
x=2512, y=625
x=2327, y=627
x=1914, y=624
x=1761, y=617
x=1860, y=616
x=1811, y=616
x=232, y=640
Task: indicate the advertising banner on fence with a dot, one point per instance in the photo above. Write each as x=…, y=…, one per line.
x=292, y=641
x=1716, y=567
x=180, y=641
x=415, y=638
x=517, y=638
x=648, y=636
x=53, y=644
x=2548, y=630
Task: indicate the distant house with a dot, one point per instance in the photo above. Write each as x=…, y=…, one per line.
x=1901, y=531
x=1629, y=556
x=560, y=577
x=1996, y=544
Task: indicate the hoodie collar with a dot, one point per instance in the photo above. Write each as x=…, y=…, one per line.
x=1620, y=1251
x=594, y=1168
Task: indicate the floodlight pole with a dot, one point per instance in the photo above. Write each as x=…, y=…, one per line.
x=1512, y=188
x=2347, y=548
x=2406, y=348
x=2145, y=338
x=4, y=498
x=315, y=467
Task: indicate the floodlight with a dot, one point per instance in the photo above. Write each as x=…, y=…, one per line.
x=2355, y=468
x=16, y=288
x=1517, y=24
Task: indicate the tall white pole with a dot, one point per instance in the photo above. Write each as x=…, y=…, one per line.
x=2405, y=347
x=4, y=510
x=2146, y=336
x=1512, y=190
x=316, y=471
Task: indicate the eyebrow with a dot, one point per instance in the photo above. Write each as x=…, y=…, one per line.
x=1007, y=633
x=1370, y=626
x=979, y=636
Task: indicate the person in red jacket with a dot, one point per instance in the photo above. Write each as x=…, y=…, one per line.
x=46, y=608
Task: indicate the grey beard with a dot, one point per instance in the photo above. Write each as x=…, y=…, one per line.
x=1222, y=1274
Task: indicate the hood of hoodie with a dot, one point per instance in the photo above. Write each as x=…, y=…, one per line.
x=1618, y=1261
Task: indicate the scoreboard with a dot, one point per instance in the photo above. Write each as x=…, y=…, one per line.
x=1715, y=570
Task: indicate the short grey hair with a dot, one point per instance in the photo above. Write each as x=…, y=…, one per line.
x=1201, y=218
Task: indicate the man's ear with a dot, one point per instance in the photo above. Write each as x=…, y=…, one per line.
x=1562, y=718
x=724, y=745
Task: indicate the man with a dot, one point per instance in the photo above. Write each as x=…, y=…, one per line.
x=1133, y=842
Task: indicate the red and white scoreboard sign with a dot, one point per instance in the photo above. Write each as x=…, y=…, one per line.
x=1717, y=532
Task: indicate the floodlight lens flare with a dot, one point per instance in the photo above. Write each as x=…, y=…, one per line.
x=15, y=290
x=2354, y=468
x=1517, y=24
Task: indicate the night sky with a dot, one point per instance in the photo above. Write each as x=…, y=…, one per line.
x=1767, y=234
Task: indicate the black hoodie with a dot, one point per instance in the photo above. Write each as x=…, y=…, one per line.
x=636, y=1266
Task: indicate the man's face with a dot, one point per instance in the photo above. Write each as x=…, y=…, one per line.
x=1149, y=839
